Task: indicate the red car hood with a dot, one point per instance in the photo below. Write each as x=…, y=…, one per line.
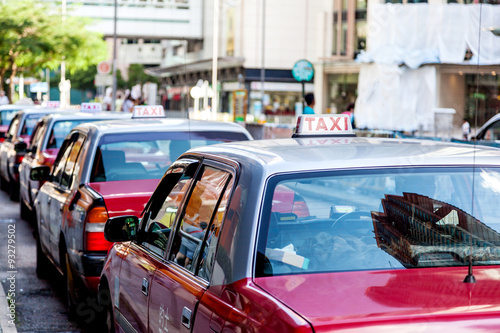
x=423, y=300
x=127, y=197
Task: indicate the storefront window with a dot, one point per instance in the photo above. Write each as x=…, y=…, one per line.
x=342, y=90
x=483, y=96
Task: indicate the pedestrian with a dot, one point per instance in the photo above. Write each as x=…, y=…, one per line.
x=309, y=99
x=350, y=112
x=108, y=99
x=3, y=99
x=119, y=101
x=129, y=103
x=466, y=130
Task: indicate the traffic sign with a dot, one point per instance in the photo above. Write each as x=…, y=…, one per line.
x=36, y=87
x=102, y=80
x=303, y=71
x=103, y=67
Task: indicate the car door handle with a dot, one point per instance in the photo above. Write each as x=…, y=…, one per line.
x=145, y=285
x=186, y=318
x=49, y=200
x=61, y=207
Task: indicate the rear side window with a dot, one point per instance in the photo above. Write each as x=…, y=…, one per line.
x=6, y=116
x=59, y=131
x=29, y=123
x=148, y=155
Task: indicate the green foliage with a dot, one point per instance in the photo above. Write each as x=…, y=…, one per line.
x=34, y=36
x=136, y=75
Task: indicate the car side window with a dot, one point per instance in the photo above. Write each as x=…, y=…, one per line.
x=194, y=228
x=157, y=228
x=37, y=137
x=62, y=157
x=207, y=253
x=493, y=132
x=14, y=125
x=67, y=176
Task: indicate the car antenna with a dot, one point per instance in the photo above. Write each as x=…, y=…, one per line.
x=470, y=278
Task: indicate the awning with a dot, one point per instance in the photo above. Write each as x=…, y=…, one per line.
x=195, y=66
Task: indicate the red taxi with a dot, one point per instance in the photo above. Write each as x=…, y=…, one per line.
x=105, y=169
x=7, y=113
x=390, y=235
x=47, y=137
x=13, y=148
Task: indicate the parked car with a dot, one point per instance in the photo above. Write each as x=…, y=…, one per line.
x=104, y=169
x=47, y=137
x=7, y=113
x=13, y=149
x=398, y=235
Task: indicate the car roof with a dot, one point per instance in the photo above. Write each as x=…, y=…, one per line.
x=160, y=124
x=75, y=115
x=14, y=107
x=323, y=153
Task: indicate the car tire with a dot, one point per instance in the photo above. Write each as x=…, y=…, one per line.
x=4, y=184
x=70, y=290
x=25, y=211
x=107, y=318
x=13, y=191
x=42, y=263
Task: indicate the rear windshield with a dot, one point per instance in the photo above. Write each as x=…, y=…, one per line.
x=61, y=129
x=6, y=116
x=29, y=123
x=371, y=220
x=148, y=155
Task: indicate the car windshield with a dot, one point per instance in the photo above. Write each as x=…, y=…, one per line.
x=135, y=156
x=6, y=116
x=386, y=219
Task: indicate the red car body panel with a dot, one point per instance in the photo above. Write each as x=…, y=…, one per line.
x=388, y=298
x=3, y=129
x=125, y=197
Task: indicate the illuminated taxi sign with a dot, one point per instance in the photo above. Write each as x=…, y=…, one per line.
x=323, y=125
x=52, y=104
x=91, y=107
x=148, y=111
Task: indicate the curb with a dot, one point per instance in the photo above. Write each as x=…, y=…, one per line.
x=5, y=326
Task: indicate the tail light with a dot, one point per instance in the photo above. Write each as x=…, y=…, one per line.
x=94, y=230
x=19, y=159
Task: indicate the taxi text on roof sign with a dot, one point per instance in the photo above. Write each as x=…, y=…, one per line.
x=91, y=107
x=148, y=111
x=323, y=125
x=52, y=104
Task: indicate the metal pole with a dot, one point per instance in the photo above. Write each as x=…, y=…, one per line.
x=263, y=69
x=47, y=78
x=114, y=61
x=215, y=55
x=62, y=84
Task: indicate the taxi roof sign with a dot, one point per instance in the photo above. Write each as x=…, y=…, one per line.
x=323, y=125
x=91, y=107
x=148, y=111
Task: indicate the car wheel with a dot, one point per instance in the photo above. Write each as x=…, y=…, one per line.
x=13, y=191
x=25, y=211
x=4, y=184
x=70, y=287
x=42, y=263
x=107, y=323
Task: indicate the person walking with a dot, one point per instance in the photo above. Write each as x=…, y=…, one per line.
x=465, y=130
x=3, y=99
x=309, y=109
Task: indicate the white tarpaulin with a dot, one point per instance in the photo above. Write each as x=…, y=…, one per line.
x=417, y=34
x=396, y=98
x=396, y=92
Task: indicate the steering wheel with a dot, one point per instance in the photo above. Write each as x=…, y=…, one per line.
x=351, y=215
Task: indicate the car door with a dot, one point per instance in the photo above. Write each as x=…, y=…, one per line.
x=28, y=162
x=7, y=145
x=45, y=214
x=145, y=254
x=183, y=277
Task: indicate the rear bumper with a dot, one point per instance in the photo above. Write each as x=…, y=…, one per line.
x=92, y=264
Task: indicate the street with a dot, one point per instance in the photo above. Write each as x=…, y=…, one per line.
x=39, y=304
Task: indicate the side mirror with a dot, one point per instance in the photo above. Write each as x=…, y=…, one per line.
x=121, y=228
x=20, y=147
x=40, y=173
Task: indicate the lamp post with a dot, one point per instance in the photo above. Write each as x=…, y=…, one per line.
x=114, y=61
x=215, y=54
x=64, y=85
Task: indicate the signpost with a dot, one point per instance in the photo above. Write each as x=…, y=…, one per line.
x=303, y=71
x=103, y=67
x=240, y=104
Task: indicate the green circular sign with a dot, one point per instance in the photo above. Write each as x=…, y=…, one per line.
x=303, y=70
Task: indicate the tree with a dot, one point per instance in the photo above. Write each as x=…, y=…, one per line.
x=34, y=36
x=136, y=75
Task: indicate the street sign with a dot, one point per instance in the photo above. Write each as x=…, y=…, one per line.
x=103, y=67
x=102, y=80
x=41, y=87
x=240, y=104
x=303, y=71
